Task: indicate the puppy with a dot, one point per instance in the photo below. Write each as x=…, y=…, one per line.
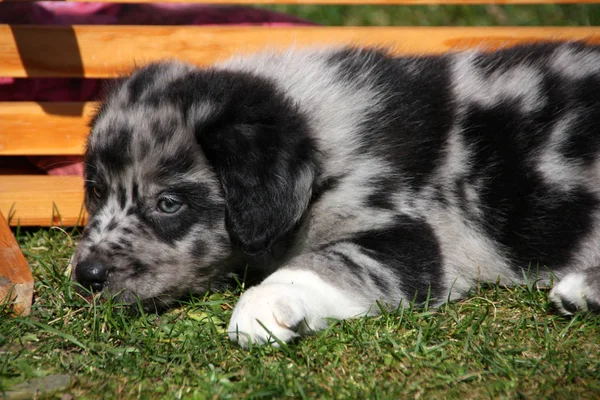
x=341, y=178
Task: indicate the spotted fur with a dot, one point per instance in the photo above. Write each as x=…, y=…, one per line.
x=341, y=178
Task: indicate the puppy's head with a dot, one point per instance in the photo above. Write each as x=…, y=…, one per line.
x=186, y=170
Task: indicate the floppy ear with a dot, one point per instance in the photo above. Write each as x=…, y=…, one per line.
x=260, y=147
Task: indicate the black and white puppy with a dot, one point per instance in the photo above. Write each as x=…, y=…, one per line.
x=340, y=178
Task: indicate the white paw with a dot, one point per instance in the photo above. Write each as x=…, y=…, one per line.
x=577, y=291
x=268, y=314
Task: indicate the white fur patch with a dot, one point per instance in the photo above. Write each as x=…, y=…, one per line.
x=571, y=289
x=338, y=215
x=575, y=64
x=201, y=112
x=470, y=258
x=288, y=303
x=520, y=84
x=552, y=165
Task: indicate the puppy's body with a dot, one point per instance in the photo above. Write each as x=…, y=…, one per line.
x=354, y=177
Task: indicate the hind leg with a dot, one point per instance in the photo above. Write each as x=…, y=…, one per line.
x=578, y=291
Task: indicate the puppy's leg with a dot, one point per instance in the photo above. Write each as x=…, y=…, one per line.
x=344, y=280
x=578, y=291
x=289, y=303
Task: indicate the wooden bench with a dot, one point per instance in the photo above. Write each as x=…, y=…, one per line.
x=29, y=128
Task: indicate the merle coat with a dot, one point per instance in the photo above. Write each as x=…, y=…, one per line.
x=338, y=178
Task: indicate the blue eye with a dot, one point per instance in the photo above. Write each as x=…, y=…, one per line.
x=169, y=205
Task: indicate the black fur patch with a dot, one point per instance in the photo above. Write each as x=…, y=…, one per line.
x=324, y=186
x=356, y=268
x=259, y=145
x=382, y=196
x=532, y=221
x=593, y=306
x=583, y=144
x=142, y=80
x=115, y=154
x=200, y=248
x=112, y=224
x=175, y=165
x=139, y=268
x=411, y=250
x=413, y=145
x=122, y=195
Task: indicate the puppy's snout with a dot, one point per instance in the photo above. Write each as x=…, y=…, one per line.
x=91, y=274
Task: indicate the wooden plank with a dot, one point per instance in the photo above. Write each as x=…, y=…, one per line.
x=16, y=281
x=99, y=51
x=349, y=2
x=30, y=128
x=41, y=200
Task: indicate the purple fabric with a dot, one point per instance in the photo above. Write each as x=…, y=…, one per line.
x=77, y=89
x=62, y=13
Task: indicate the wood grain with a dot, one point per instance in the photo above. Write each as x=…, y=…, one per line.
x=102, y=51
x=16, y=281
x=41, y=200
x=30, y=128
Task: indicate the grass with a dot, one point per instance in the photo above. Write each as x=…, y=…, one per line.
x=497, y=343
x=434, y=15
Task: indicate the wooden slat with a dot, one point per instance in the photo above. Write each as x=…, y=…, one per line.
x=40, y=200
x=16, y=281
x=100, y=51
x=30, y=128
x=349, y=2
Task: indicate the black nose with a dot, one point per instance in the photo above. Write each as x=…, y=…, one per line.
x=91, y=274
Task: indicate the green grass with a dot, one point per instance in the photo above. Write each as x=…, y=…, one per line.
x=484, y=15
x=497, y=343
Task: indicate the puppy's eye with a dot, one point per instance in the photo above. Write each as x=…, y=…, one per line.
x=169, y=205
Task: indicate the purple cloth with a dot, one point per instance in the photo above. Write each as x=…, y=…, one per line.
x=62, y=13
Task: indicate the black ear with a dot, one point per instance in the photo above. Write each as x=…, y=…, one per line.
x=260, y=147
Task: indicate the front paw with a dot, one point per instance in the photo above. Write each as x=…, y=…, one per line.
x=268, y=314
x=578, y=292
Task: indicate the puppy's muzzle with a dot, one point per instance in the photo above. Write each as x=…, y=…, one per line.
x=91, y=274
